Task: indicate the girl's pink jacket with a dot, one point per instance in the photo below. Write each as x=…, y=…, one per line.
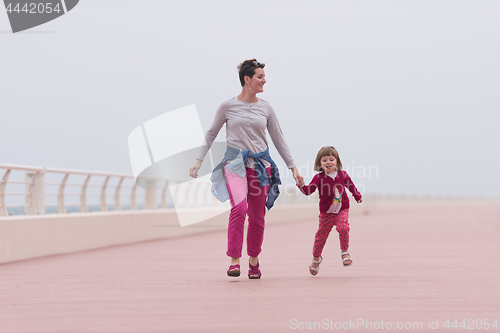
x=326, y=185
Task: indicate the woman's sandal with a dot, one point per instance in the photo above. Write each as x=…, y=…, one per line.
x=254, y=272
x=345, y=259
x=315, y=270
x=234, y=270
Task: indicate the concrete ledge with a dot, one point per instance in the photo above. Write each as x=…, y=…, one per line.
x=25, y=237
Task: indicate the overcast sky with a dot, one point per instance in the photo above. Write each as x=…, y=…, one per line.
x=408, y=89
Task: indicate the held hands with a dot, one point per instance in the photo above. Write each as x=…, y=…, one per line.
x=193, y=172
x=299, y=180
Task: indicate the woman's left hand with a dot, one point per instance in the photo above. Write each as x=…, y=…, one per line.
x=299, y=180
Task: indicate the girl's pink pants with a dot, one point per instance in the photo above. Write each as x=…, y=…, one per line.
x=247, y=197
x=326, y=223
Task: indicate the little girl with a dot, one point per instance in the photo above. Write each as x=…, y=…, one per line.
x=331, y=182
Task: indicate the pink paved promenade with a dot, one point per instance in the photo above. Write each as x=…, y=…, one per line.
x=410, y=269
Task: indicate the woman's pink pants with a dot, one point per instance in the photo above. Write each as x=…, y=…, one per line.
x=247, y=197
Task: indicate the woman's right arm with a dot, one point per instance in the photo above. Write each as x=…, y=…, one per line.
x=213, y=131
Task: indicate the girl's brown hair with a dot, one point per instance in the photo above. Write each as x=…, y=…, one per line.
x=326, y=151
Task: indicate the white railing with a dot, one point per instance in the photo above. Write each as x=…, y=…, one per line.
x=35, y=189
x=39, y=192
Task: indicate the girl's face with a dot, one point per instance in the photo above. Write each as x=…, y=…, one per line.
x=329, y=164
x=257, y=81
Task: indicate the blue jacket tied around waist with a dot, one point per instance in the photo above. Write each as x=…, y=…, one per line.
x=238, y=164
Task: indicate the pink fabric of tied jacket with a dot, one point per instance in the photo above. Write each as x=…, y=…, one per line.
x=326, y=188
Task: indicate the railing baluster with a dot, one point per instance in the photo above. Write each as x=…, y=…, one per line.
x=206, y=199
x=192, y=194
x=29, y=202
x=35, y=189
x=186, y=195
x=117, y=194
x=104, y=207
x=61, y=208
x=3, y=186
x=176, y=194
x=133, y=206
x=164, y=195
x=83, y=195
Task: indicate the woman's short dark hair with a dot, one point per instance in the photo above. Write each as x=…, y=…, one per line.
x=247, y=68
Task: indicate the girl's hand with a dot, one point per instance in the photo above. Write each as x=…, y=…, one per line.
x=193, y=172
x=360, y=201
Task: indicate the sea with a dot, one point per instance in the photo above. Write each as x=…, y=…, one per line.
x=73, y=209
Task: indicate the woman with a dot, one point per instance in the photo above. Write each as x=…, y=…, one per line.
x=247, y=175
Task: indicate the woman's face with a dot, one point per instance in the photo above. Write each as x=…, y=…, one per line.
x=256, y=83
x=329, y=164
